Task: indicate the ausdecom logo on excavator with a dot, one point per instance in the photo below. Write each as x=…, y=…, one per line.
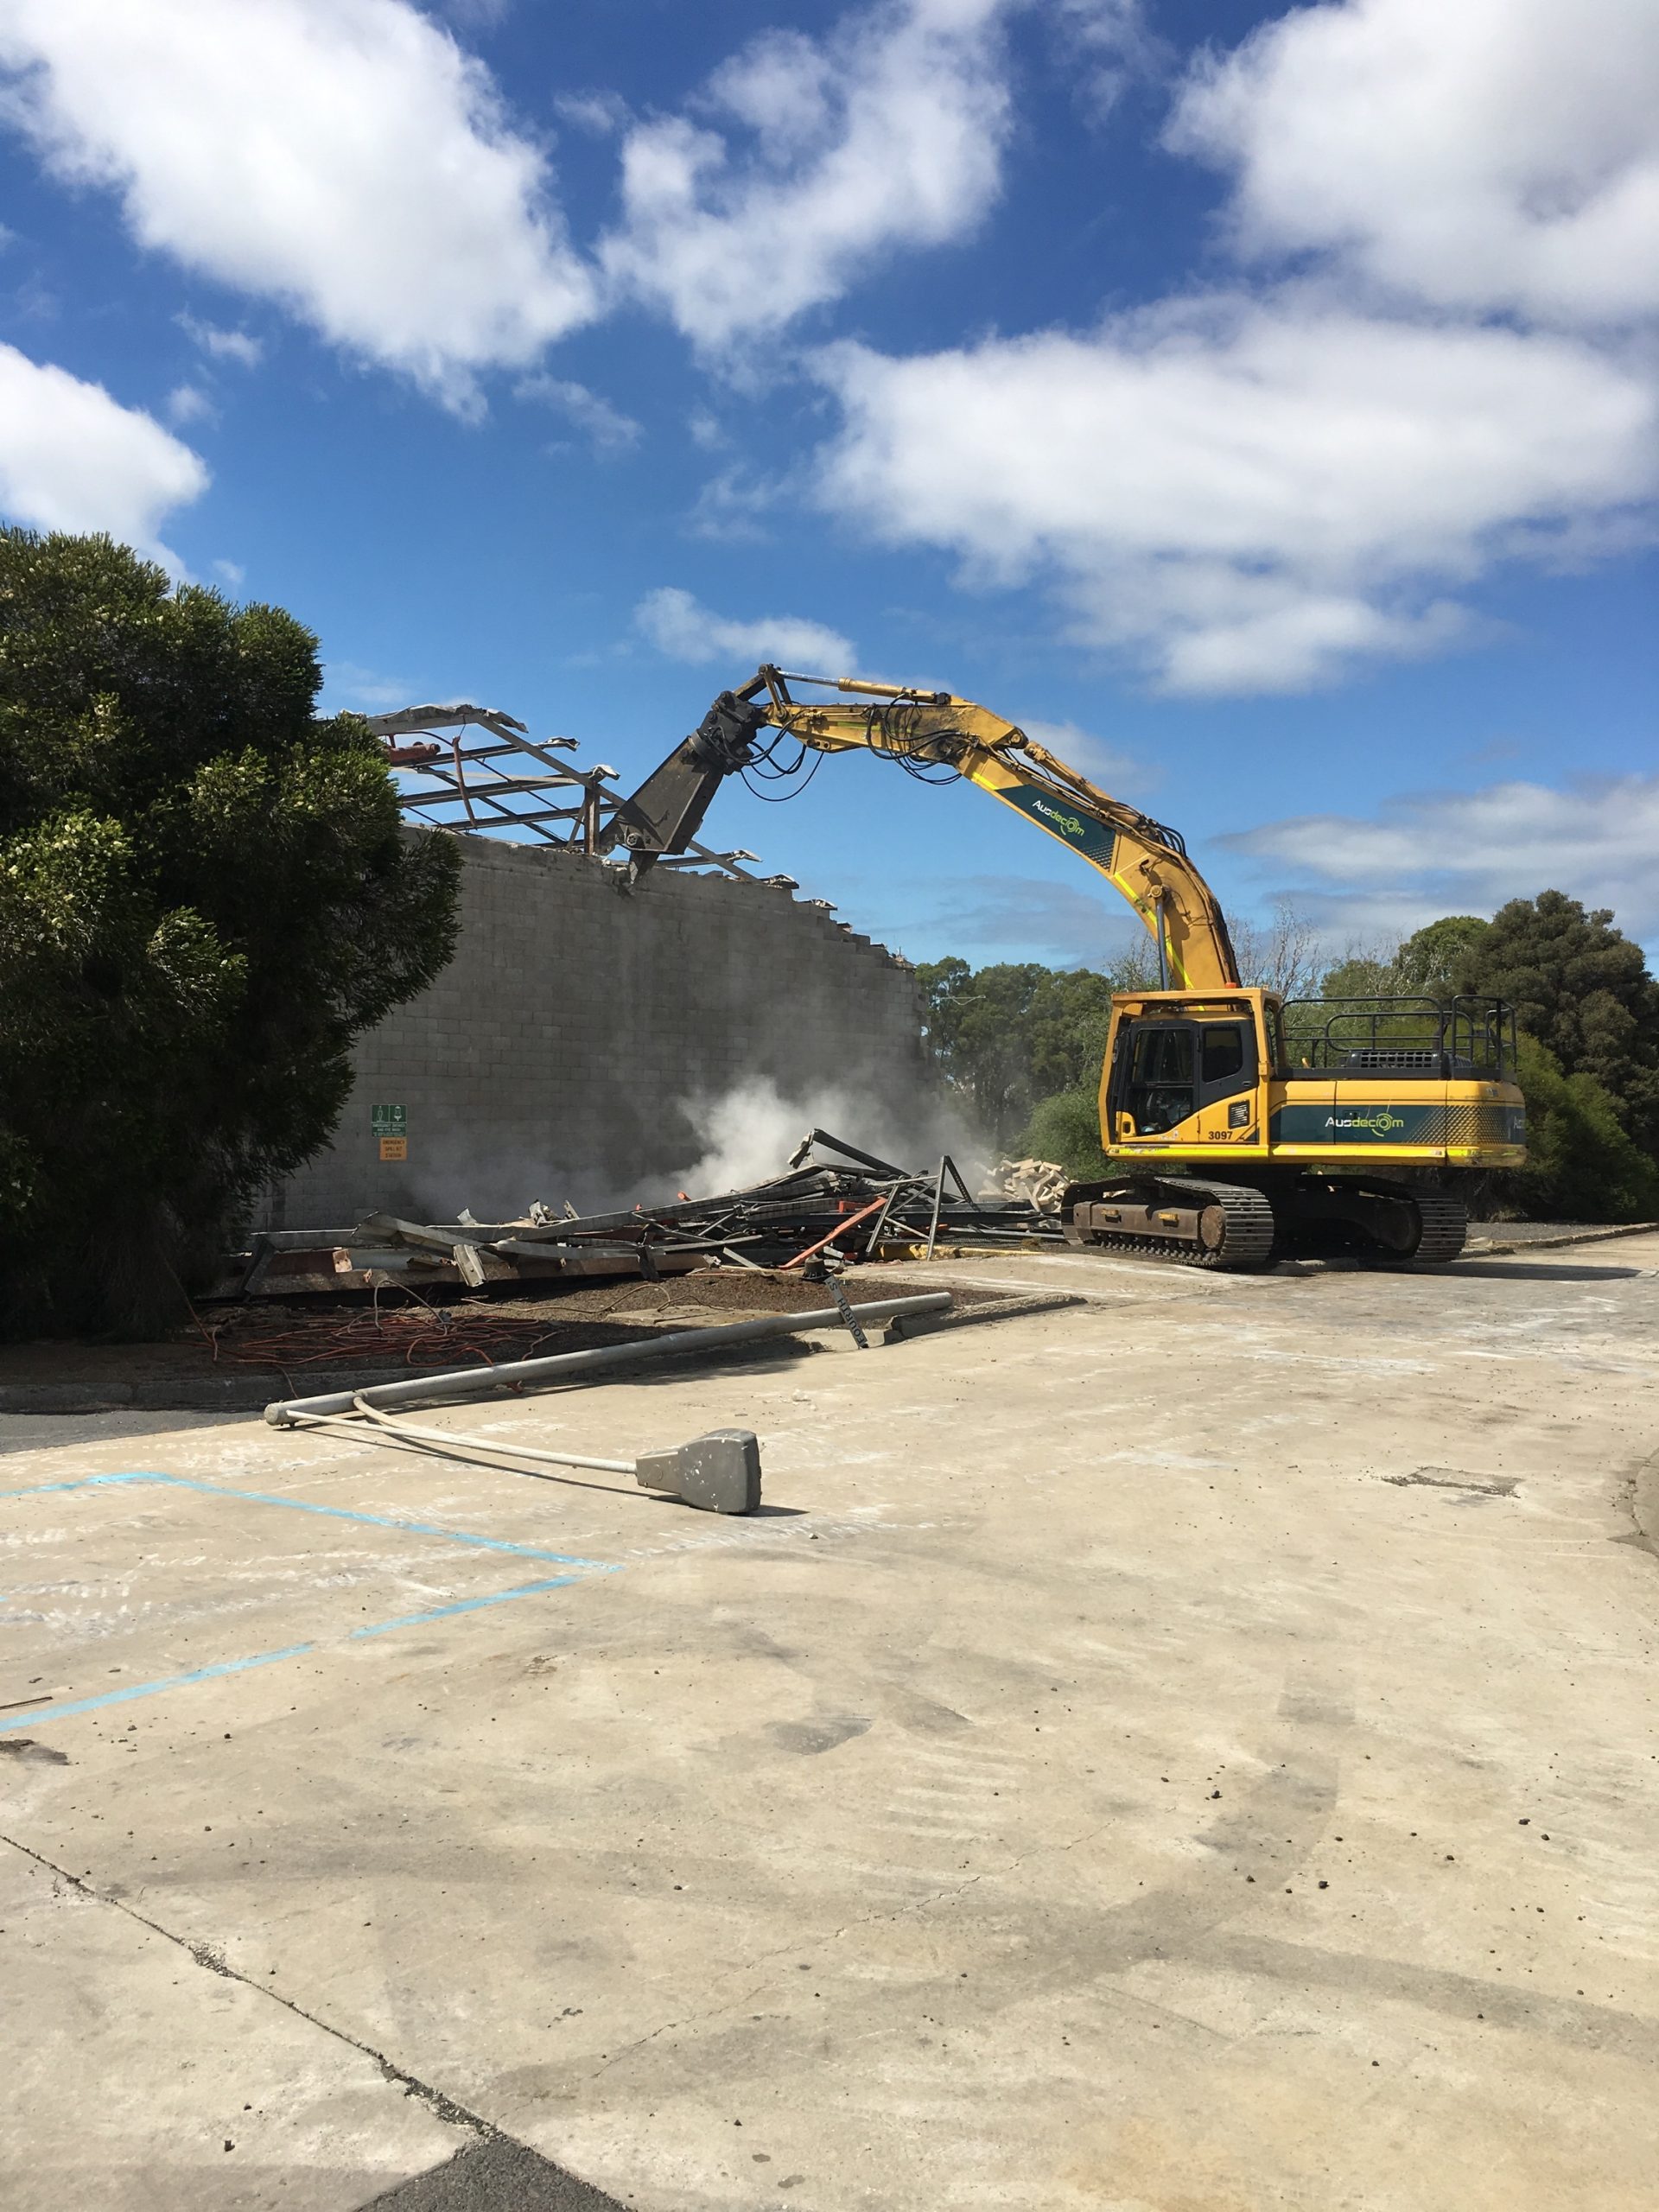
x=1088, y=838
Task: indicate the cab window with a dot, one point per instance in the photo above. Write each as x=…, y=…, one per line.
x=1160, y=1079
x=1223, y=1050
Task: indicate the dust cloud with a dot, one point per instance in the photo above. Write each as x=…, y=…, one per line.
x=751, y=1130
x=712, y=1142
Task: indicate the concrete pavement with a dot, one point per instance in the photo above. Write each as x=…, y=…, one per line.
x=1193, y=1751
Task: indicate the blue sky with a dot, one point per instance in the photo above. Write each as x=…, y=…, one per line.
x=1263, y=403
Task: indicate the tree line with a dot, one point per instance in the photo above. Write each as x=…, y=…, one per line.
x=1021, y=1044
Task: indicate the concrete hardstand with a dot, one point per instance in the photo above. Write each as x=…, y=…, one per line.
x=1191, y=1751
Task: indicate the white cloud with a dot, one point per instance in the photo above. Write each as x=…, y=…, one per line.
x=728, y=508
x=1260, y=487
x=72, y=458
x=478, y=14
x=1247, y=495
x=679, y=626
x=1115, y=45
x=188, y=402
x=819, y=158
x=1474, y=154
x=1105, y=765
x=345, y=683
x=238, y=346
x=231, y=573
x=601, y=115
x=342, y=157
x=607, y=429
x=1458, y=852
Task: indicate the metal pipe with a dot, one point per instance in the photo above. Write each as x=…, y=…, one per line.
x=468, y=1382
x=938, y=1200
x=840, y=1229
x=514, y=1451
x=370, y=1428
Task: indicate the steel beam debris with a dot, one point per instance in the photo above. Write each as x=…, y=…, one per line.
x=474, y=768
x=817, y=1208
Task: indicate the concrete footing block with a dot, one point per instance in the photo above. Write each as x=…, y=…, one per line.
x=718, y=1473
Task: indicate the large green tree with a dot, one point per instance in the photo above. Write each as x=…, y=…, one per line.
x=1582, y=988
x=1582, y=1164
x=205, y=893
x=1428, y=964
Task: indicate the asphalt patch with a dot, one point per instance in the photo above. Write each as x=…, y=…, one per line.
x=499, y=2175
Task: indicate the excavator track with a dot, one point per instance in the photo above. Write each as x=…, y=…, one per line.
x=1378, y=1221
x=1224, y=1226
x=1445, y=1223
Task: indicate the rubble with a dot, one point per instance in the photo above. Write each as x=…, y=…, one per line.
x=850, y=1209
x=1041, y=1183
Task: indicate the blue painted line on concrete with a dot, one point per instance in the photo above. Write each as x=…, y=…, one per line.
x=36, y=1715
x=81, y=1482
x=329, y=1512
x=129, y=1690
x=384, y=1521
x=468, y=1605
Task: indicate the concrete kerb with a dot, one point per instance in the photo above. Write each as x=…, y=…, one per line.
x=1523, y=1244
x=468, y=1383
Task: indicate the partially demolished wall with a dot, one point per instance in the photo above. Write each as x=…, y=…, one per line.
x=566, y=1051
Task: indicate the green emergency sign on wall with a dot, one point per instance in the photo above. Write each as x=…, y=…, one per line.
x=389, y=1128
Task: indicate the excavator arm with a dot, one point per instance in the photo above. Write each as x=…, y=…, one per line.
x=1143, y=861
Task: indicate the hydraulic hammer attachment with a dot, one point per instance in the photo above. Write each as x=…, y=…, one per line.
x=666, y=811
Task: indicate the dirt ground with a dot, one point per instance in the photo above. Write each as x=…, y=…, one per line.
x=240, y=1354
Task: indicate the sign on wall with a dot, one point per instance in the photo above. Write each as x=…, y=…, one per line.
x=389, y=1126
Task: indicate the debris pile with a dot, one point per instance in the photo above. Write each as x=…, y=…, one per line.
x=1039, y=1181
x=820, y=1213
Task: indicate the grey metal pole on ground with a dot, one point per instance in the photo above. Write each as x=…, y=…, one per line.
x=938, y=1200
x=470, y=1381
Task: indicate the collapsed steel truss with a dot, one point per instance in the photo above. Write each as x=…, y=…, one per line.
x=474, y=768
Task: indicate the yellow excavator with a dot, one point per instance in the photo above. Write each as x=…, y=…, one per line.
x=1239, y=1128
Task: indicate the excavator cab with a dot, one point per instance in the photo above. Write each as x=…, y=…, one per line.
x=1172, y=1068
x=1177, y=1062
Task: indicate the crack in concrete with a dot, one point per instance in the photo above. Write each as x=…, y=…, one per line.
x=1640, y=1505
x=443, y=2106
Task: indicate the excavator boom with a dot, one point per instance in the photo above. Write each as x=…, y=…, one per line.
x=1146, y=862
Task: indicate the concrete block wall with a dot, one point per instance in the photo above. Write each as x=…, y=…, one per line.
x=562, y=1053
